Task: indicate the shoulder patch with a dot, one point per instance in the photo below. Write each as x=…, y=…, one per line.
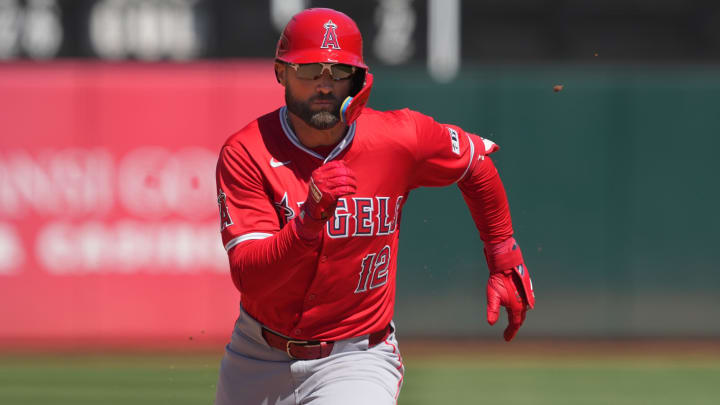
x=454, y=140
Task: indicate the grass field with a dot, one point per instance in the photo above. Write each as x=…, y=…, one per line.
x=436, y=373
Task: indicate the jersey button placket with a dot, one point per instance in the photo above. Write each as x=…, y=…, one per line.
x=311, y=297
x=323, y=259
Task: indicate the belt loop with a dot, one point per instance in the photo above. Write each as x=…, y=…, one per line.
x=378, y=337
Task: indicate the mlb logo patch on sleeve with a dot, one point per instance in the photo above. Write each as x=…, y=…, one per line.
x=455, y=141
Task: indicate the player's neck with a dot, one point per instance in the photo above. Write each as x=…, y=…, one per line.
x=313, y=137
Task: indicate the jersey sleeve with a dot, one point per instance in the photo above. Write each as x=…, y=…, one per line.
x=444, y=153
x=246, y=212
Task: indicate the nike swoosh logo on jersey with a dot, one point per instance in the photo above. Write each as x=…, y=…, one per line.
x=275, y=163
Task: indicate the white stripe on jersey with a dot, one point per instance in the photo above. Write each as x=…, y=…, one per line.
x=248, y=236
x=472, y=154
x=489, y=146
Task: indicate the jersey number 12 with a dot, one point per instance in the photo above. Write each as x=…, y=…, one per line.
x=374, y=271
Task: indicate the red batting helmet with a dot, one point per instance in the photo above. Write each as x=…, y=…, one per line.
x=321, y=35
x=328, y=36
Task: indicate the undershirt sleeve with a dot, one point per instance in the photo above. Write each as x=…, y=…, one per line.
x=262, y=266
x=485, y=196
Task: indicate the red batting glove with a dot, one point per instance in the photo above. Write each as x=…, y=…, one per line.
x=509, y=285
x=327, y=183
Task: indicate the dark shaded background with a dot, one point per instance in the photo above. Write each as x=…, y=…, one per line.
x=659, y=31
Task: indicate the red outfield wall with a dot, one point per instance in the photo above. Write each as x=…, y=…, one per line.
x=108, y=219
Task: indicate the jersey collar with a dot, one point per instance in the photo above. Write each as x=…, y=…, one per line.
x=346, y=141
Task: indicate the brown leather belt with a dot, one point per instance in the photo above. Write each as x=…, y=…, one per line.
x=313, y=349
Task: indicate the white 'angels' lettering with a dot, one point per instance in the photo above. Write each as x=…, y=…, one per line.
x=337, y=227
x=384, y=228
x=366, y=216
x=364, y=225
x=368, y=219
x=396, y=218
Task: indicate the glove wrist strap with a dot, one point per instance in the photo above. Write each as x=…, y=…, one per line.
x=498, y=263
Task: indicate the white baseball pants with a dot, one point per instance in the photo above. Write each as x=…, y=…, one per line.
x=253, y=373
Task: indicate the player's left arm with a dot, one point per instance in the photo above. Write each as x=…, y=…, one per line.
x=446, y=154
x=509, y=284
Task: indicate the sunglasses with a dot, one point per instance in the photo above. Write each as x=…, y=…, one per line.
x=313, y=71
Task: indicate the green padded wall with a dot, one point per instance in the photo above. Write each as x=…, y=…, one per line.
x=614, y=193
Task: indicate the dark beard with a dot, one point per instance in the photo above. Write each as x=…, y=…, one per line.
x=323, y=119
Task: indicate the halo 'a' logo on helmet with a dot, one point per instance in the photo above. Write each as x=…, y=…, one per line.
x=330, y=40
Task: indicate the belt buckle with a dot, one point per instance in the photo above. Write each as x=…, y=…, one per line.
x=304, y=343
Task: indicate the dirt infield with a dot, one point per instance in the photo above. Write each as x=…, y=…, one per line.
x=521, y=346
x=703, y=350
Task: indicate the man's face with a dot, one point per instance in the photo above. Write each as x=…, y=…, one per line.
x=317, y=102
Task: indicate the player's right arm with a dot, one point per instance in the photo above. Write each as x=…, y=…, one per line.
x=259, y=251
x=262, y=255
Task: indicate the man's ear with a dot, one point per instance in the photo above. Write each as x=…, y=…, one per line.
x=280, y=73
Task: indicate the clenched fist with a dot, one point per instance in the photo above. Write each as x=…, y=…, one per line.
x=509, y=286
x=328, y=183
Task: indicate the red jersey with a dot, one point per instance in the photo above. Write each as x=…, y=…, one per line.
x=343, y=284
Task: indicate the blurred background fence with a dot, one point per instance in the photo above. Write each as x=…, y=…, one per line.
x=112, y=113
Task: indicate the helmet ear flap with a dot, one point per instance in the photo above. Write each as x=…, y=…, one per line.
x=353, y=106
x=358, y=81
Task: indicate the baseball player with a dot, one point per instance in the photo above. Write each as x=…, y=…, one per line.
x=310, y=199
